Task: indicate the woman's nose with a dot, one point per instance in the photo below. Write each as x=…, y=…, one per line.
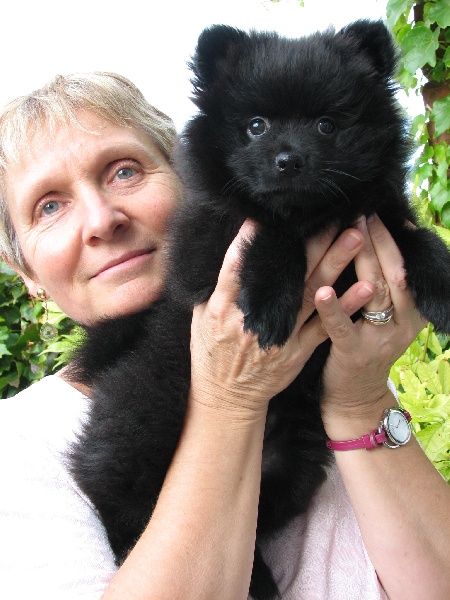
x=102, y=218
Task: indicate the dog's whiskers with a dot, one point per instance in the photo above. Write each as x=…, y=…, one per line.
x=233, y=186
x=332, y=187
x=339, y=172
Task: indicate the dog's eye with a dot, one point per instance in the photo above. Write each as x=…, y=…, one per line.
x=326, y=126
x=257, y=126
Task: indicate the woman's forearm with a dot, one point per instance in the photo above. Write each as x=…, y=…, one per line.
x=200, y=540
x=402, y=505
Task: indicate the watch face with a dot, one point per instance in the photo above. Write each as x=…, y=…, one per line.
x=397, y=427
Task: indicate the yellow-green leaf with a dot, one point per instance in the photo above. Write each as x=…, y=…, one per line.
x=444, y=376
x=414, y=390
x=433, y=344
x=434, y=441
x=395, y=375
x=429, y=377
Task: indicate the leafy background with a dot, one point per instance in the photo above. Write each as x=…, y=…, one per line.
x=422, y=374
x=24, y=357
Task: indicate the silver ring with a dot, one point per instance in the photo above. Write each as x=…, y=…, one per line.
x=380, y=317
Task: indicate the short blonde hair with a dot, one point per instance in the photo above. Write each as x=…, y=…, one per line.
x=109, y=95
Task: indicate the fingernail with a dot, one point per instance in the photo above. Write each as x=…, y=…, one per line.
x=326, y=299
x=352, y=240
x=365, y=292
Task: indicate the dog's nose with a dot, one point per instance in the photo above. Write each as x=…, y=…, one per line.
x=289, y=163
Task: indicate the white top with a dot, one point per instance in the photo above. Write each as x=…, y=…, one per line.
x=53, y=546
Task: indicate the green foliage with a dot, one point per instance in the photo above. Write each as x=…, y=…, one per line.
x=24, y=357
x=422, y=374
x=422, y=378
x=422, y=30
x=419, y=47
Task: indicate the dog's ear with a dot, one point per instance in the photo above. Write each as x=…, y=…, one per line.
x=214, y=46
x=374, y=40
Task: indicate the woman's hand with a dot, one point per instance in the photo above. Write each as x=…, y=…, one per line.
x=362, y=353
x=229, y=369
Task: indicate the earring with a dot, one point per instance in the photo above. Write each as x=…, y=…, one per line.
x=48, y=331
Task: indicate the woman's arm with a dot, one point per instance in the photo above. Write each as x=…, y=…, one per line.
x=200, y=540
x=401, y=502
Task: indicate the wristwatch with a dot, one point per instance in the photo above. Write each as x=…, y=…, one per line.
x=394, y=431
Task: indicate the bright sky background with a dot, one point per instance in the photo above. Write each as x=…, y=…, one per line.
x=148, y=41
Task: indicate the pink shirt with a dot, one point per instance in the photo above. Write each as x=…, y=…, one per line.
x=53, y=546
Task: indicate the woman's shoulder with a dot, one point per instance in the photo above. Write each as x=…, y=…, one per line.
x=50, y=531
x=37, y=428
x=49, y=411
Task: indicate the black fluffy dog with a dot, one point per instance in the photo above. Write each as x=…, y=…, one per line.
x=296, y=134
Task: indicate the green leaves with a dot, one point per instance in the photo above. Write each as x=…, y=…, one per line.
x=441, y=115
x=24, y=357
x=395, y=9
x=419, y=47
x=422, y=378
x=438, y=183
x=422, y=32
x=439, y=12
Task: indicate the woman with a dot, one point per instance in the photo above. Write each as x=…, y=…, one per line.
x=87, y=191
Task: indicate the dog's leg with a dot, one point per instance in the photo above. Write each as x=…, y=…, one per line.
x=428, y=275
x=272, y=284
x=199, y=242
x=427, y=265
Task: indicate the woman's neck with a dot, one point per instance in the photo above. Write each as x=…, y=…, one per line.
x=81, y=387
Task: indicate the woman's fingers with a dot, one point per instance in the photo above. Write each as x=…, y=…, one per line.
x=228, y=282
x=333, y=318
x=393, y=268
x=333, y=262
x=317, y=247
x=381, y=262
x=367, y=265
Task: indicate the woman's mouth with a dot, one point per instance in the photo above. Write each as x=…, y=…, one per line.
x=124, y=263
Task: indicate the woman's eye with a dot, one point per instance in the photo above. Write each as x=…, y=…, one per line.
x=125, y=173
x=50, y=207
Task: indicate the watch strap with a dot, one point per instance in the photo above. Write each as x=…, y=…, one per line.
x=369, y=441
x=374, y=439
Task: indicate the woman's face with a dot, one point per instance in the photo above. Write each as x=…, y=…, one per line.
x=91, y=213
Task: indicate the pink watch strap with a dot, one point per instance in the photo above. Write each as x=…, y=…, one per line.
x=368, y=441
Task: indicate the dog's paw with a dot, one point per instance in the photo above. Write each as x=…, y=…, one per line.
x=269, y=332
x=269, y=322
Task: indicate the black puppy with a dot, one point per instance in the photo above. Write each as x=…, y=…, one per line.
x=296, y=134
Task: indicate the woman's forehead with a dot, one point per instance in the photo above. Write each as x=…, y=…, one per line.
x=85, y=124
x=65, y=150
x=90, y=134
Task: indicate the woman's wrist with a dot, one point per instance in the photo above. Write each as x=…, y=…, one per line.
x=228, y=406
x=347, y=422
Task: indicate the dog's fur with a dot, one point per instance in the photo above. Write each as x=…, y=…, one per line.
x=298, y=135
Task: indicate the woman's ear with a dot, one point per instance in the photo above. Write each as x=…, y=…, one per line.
x=31, y=285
